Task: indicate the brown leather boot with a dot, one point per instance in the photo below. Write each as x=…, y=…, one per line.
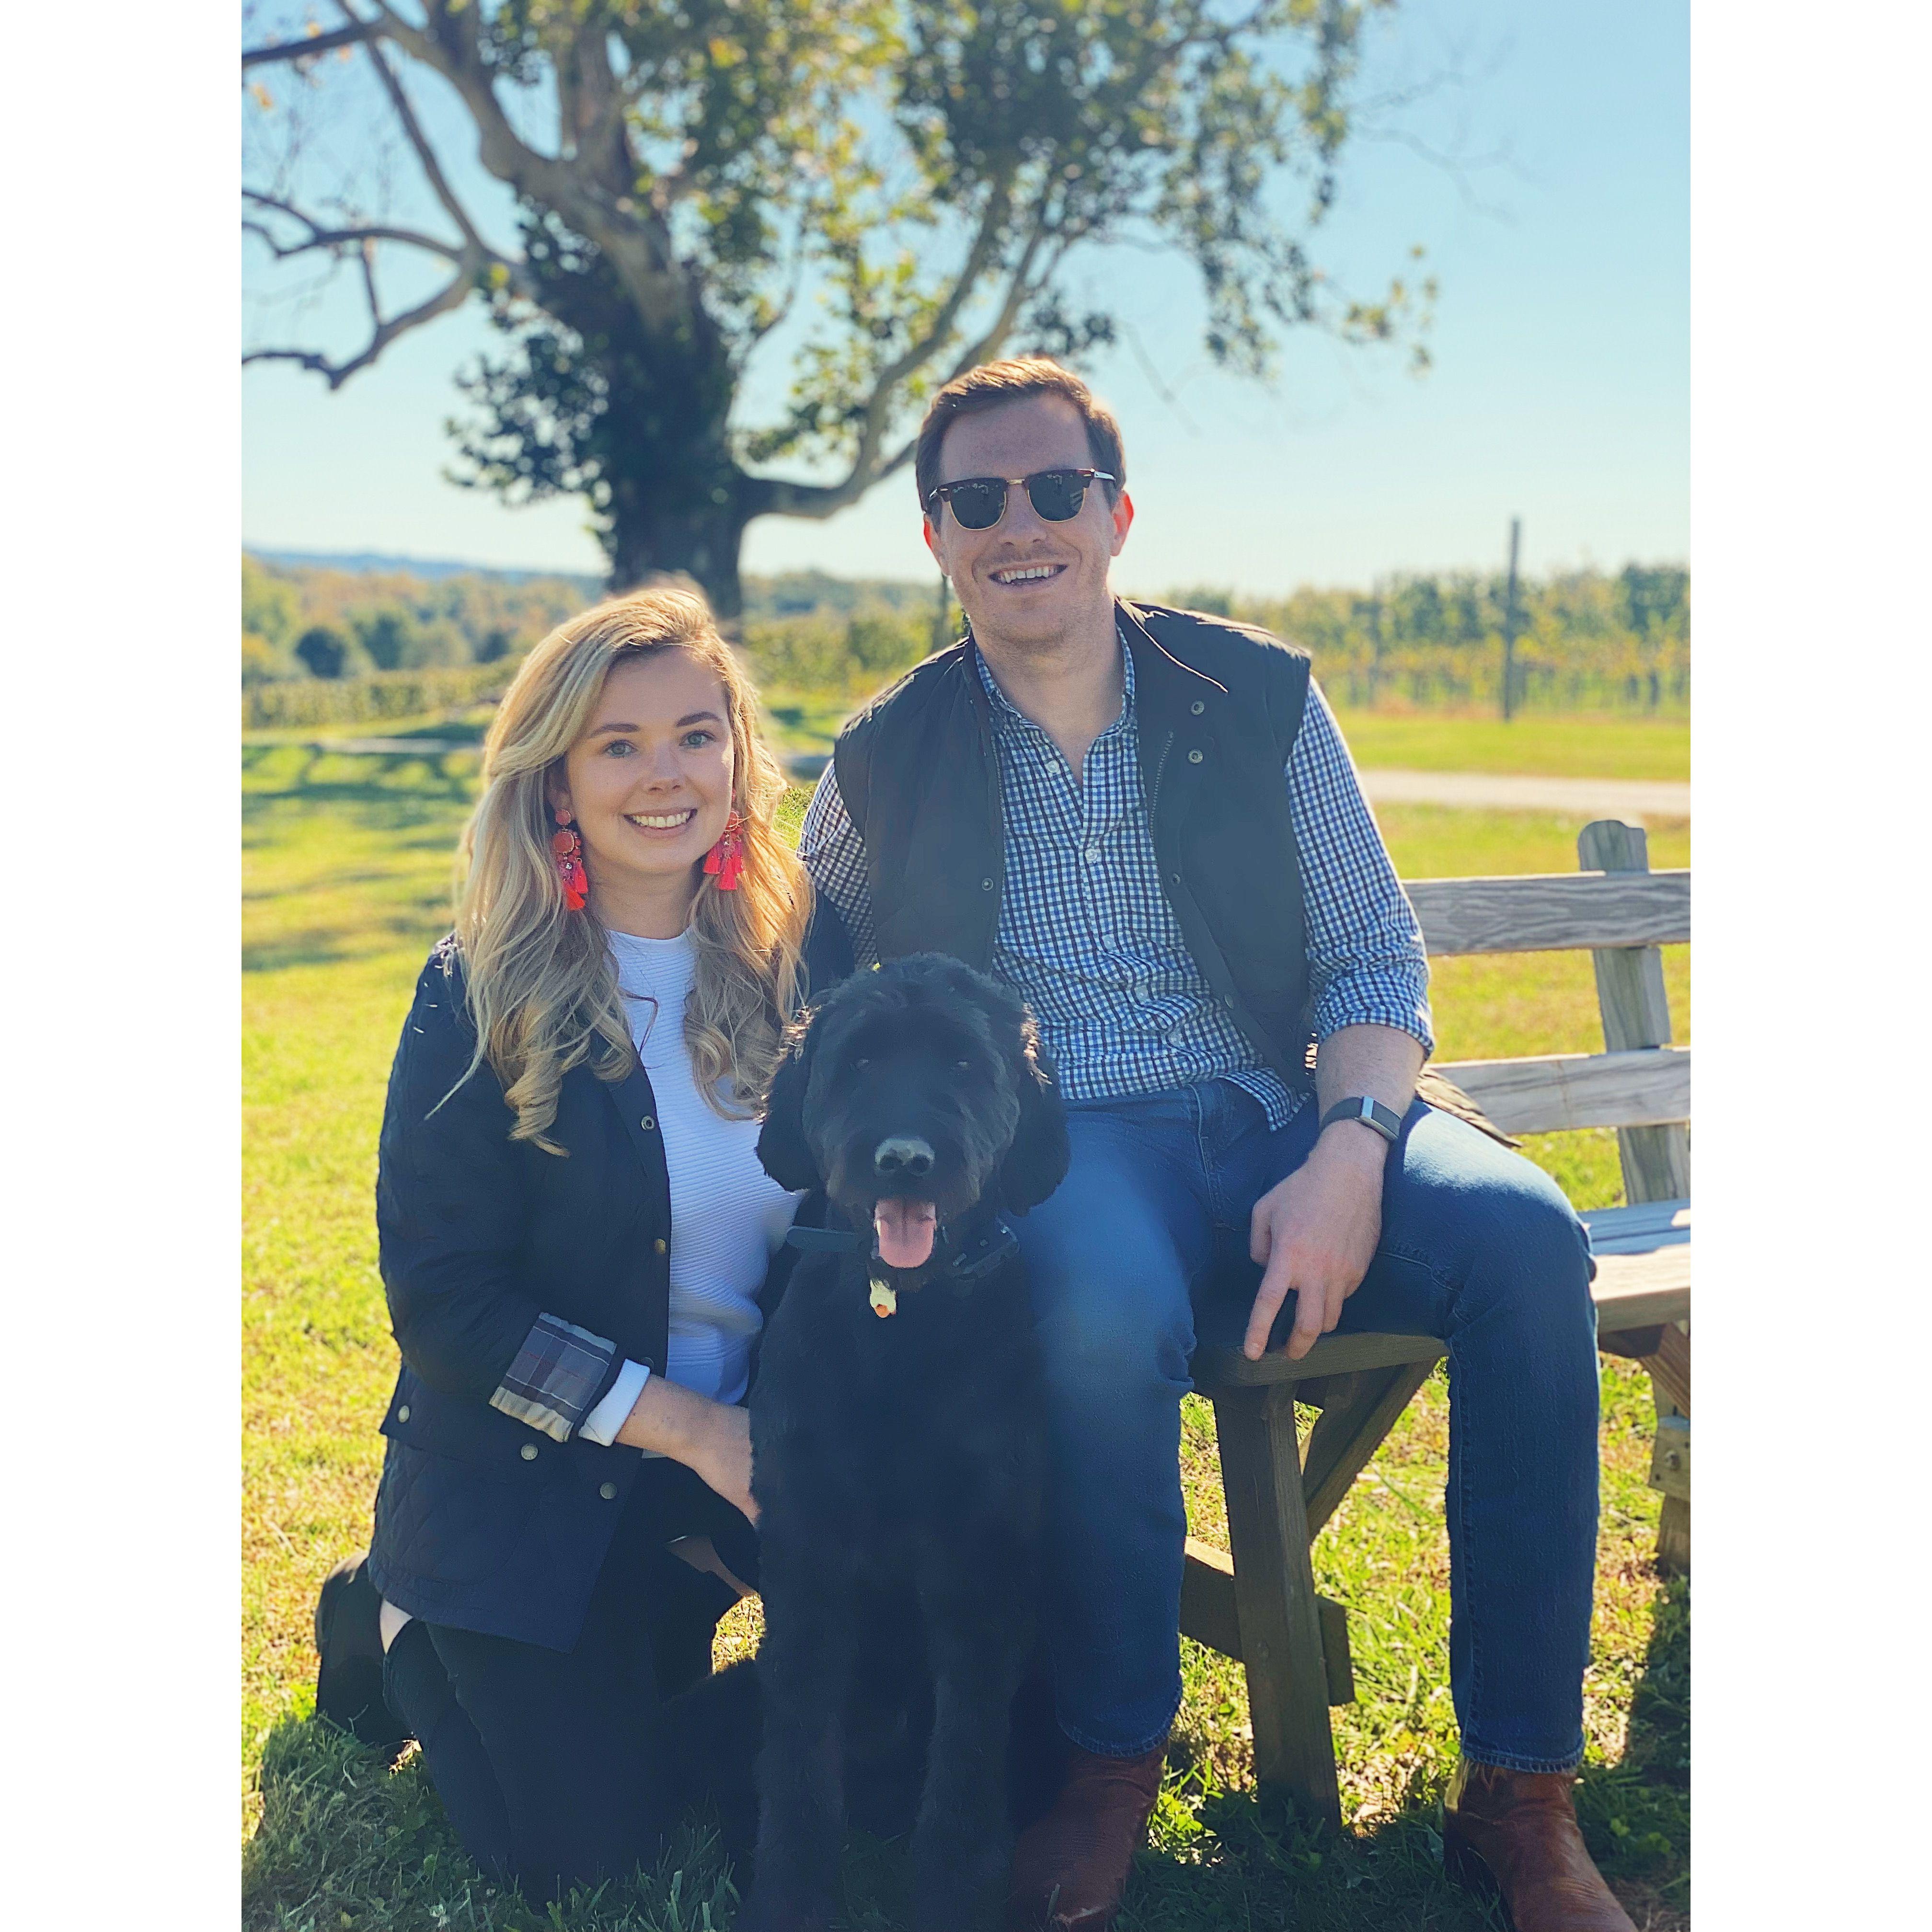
x=1514, y=1832
x=1070, y=1869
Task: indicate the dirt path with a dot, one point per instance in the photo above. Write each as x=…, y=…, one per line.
x=1589, y=798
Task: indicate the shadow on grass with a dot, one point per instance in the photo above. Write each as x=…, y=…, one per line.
x=427, y=794
x=330, y=946
x=343, y=1840
x=1636, y=1814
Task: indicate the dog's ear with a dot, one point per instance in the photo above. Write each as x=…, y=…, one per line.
x=1036, y=1164
x=783, y=1150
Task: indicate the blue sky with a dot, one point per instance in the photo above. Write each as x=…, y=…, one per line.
x=1560, y=391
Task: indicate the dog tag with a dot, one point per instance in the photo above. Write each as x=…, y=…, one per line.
x=885, y=1300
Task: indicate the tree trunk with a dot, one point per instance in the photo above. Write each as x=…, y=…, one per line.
x=646, y=539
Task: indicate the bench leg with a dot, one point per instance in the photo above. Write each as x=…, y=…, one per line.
x=1274, y=1596
x=1353, y=1424
x=1670, y=1385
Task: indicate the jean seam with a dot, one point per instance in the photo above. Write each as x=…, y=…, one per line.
x=1562, y=1767
x=1468, y=1541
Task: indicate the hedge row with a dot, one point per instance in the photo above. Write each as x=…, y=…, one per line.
x=383, y=694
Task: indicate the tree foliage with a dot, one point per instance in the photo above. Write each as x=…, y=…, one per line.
x=897, y=185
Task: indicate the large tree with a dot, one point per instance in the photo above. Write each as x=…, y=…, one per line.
x=921, y=171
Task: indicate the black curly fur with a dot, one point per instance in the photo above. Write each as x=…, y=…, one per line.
x=898, y=1463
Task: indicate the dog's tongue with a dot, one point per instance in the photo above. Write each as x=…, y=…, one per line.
x=905, y=1229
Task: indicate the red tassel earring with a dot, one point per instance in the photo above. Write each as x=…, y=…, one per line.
x=569, y=850
x=726, y=859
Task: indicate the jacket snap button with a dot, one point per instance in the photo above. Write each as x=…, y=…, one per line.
x=609, y=1493
x=986, y=885
x=1197, y=707
x=648, y=1124
x=1194, y=758
x=528, y=1452
x=1227, y=999
x=659, y=1245
x=403, y=1414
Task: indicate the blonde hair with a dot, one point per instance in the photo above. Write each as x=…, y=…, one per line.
x=542, y=985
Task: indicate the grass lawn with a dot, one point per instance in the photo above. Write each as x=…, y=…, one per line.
x=1609, y=745
x=347, y=872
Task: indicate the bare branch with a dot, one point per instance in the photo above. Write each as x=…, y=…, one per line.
x=431, y=167
x=318, y=236
x=879, y=408
x=777, y=496
x=313, y=44
x=634, y=238
x=453, y=295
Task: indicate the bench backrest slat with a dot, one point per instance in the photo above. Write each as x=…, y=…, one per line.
x=1549, y=912
x=1558, y=1093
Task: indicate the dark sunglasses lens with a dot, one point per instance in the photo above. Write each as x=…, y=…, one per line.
x=978, y=506
x=1057, y=494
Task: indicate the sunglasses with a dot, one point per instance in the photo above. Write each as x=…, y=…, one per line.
x=979, y=502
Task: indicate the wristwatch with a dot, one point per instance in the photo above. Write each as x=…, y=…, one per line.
x=1370, y=1113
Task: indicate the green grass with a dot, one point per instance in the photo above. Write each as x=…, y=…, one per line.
x=1610, y=744
x=1607, y=745
x=347, y=869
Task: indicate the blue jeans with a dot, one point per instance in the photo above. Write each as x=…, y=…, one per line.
x=1144, y=1249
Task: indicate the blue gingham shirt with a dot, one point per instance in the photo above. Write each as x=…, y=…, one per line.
x=1087, y=936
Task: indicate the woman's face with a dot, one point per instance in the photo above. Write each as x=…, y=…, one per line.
x=649, y=782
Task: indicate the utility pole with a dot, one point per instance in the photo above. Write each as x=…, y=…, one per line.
x=1510, y=624
x=939, y=625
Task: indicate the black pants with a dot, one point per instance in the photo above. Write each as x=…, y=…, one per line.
x=559, y=1769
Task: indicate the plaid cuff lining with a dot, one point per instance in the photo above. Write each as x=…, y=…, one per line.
x=559, y=1373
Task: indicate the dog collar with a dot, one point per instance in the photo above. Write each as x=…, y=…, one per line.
x=981, y=1250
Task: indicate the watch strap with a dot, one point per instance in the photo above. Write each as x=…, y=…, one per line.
x=1370, y=1112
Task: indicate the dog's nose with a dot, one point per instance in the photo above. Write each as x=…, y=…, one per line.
x=902, y=1159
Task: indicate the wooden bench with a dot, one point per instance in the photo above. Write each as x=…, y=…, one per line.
x=1260, y=1605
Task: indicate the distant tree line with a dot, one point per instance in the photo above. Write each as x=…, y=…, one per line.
x=298, y=622
x=1585, y=639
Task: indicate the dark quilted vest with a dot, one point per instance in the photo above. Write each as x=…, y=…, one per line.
x=1217, y=705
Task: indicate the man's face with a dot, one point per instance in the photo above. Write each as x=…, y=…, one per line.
x=1015, y=439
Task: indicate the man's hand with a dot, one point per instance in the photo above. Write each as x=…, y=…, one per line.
x=1315, y=1232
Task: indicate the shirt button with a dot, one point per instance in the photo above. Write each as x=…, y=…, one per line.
x=648, y=1125
x=659, y=1245
x=1093, y=855
x=528, y=1452
x=1194, y=758
x=609, y=1493
x=1197, y=707
x=403, y=1414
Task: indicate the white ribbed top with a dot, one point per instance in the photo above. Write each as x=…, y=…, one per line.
x=727, y=1215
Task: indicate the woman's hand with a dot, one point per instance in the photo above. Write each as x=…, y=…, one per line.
x=713, y=1439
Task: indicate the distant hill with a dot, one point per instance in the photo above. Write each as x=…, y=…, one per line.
x=796, y=593
x=377, y=563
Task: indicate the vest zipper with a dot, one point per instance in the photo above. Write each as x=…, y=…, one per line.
x=1160, y=770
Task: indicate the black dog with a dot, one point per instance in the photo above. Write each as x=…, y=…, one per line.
x=898, y=1428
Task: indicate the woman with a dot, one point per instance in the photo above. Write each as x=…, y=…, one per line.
x=576, y=1236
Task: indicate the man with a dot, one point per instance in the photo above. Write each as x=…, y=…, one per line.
x=1146, y=821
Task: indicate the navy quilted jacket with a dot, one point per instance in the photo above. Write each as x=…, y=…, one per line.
x=518, y=1283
